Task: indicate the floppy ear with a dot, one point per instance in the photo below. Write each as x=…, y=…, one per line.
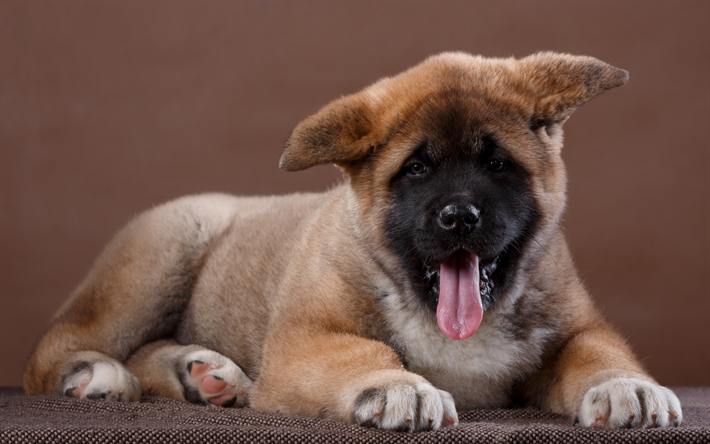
x=340, y=132
x=562, y=82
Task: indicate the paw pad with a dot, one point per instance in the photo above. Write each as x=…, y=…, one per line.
x=214, y=379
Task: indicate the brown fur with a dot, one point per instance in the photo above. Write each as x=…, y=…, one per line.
x=291, y=288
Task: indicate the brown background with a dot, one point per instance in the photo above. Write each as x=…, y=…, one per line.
x=108, y=108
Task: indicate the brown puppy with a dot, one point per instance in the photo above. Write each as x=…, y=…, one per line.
x=435, y=277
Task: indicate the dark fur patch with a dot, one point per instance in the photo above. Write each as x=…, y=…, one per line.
x=529, y=314
x=456, y=156
x=366, y=397
x=642, y=394
x=78, y=367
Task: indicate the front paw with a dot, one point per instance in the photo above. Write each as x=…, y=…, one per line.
x=629, y=403
x=399, y=400
x=102, y=380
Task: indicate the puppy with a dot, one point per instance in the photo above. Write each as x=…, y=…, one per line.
x=436, y=277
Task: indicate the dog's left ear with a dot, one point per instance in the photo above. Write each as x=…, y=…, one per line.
x=562, y=82
x=341, y=132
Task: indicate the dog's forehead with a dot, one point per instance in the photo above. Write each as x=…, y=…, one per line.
x=458, y=120
x=455, y=118
x=456, y=102
x=452, y=76
x=453, y=96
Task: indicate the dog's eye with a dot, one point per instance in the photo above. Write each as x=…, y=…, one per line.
x=416, y=169
x=497, y=165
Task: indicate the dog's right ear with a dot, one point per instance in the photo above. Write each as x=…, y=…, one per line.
x=341, y=132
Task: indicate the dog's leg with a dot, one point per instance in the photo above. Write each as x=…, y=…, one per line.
x=135, y=293
x=597, y=380
x=191, y=373
x=347, y=378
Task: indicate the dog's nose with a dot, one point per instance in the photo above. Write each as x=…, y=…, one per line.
x=460, y=218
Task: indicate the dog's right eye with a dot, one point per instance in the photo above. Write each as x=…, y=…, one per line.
x=497, y=165
x=416, y=169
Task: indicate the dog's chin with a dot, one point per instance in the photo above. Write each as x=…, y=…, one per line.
x=491, y=276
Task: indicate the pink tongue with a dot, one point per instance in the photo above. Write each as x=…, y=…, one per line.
x=459, y=312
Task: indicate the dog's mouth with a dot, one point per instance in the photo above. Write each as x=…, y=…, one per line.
x=461, y=284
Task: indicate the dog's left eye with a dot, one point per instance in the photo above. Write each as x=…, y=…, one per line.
x=416, y=169
x=496, y=165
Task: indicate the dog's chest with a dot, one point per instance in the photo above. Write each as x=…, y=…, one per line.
x=478, y=371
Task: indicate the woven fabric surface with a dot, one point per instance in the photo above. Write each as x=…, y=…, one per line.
x=49, y=419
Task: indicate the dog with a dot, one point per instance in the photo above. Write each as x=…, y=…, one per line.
x=436, y=277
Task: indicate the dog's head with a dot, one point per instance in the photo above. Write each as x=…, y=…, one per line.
x=455, y=166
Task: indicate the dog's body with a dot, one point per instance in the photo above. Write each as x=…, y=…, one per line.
x=436, y=277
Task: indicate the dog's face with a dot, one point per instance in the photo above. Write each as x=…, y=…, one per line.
x=456, y=170
x=461, y=192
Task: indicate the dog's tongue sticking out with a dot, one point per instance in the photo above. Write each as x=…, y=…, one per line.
x=459, y=312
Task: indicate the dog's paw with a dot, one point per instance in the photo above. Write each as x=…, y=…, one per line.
x=213, y=379
x=629, y=403
x=102, y=380
x=405, y=406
